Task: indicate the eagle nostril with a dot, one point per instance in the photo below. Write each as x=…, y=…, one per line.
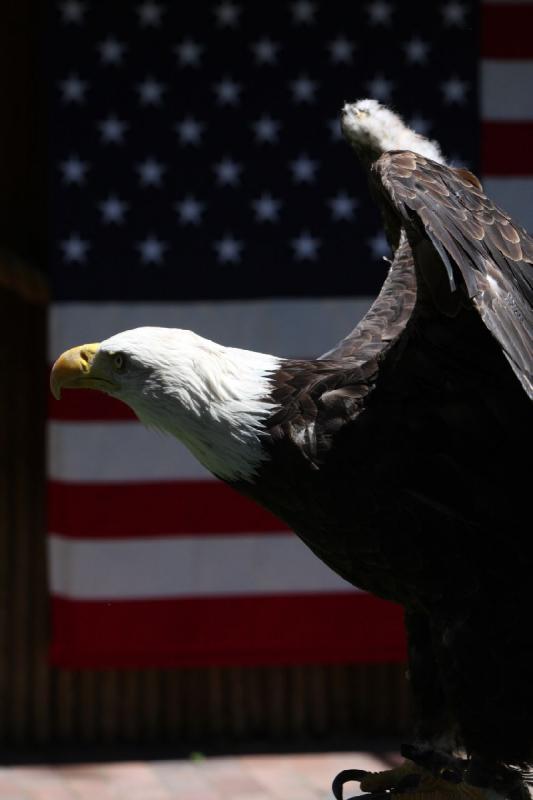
x=85, y=358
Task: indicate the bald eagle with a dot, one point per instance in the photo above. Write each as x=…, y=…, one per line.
x=397, y=456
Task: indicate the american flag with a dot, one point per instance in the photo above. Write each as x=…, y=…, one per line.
x=200, y=181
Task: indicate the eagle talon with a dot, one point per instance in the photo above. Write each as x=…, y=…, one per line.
x=385, y=780
x=399, y=779
x=352, y=775
x=359, y=774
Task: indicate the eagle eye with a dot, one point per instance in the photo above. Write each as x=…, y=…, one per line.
x=119, y=362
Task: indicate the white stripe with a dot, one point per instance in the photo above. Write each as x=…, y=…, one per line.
x=106, y=452
x=303, y=328
x=506, y=90
x=514, y=195
x=121, y=569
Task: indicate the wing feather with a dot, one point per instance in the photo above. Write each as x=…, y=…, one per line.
x=386, y=319
x=480, y=246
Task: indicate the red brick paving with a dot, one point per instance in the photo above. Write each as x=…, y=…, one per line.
x=248, y=777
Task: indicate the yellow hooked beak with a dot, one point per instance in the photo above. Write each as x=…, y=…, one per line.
x=76, y=369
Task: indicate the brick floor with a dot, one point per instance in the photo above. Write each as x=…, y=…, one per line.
x=249, y=777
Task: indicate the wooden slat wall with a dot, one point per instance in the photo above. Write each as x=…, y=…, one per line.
x=41, y=705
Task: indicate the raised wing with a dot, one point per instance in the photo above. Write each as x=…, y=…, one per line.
x=386, y=319
x=483, y=251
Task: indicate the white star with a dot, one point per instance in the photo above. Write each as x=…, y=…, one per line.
x=75, y=248
x=111, y=51
x=73, y=89
x=73, y=11
x=416, y=50
x=379, y=12
x=190, y=130
x=228, y=249
x=420, y=124
x=227, y=92
x=454, y=14
x=112, y=129
x=303, y=89
x=113, y=209
x=152, y=250
x=342, y=206
x=379, y=245
x=150, y=14
x=266, y=208
x=227, y=172
x=341, y=50
x=305, y=246
x=227, y=15
x=74, y=170
x=303, y=12
x=335, y=129
x=454, y=90
x=303, y=169
x=266, y=129
x=150, y=172
x=150, y=92
x=265, y=51
x=188, y=53
x=380, y=88
x=190, y=210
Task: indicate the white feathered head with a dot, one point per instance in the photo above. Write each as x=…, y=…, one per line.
x=373, y=129
x=214, y=399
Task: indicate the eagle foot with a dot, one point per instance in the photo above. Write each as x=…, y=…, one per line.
x=411, y=782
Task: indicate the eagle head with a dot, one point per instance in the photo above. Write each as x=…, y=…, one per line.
x=215, y=399
x=373, y=129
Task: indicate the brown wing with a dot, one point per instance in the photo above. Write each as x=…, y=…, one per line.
x=386, y=319
x=483, y=251
x=318, y=397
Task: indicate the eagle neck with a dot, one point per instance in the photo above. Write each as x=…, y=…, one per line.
x=217, y=404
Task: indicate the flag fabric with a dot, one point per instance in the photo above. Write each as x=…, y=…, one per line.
x=199, y=180
x=506, y=83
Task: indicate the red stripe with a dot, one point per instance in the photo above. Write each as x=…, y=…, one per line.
x=101, y=511
x=506, y=31
x=507, y=148
x=86, y=405
x=288, y=629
